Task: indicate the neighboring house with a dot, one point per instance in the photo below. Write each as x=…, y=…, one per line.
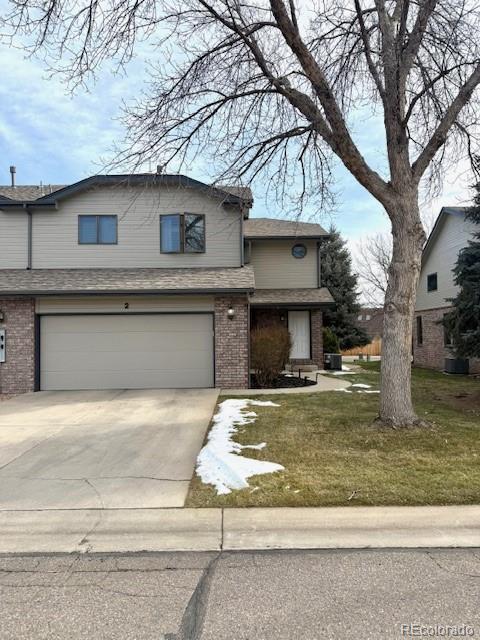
x=148, y=281
x=431, y=343
x=370, y=319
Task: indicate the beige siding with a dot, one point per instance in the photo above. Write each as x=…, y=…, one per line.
x=452, y=236
x=116, y=304
x=276, y=268
x=13, y=240
x=55, y=233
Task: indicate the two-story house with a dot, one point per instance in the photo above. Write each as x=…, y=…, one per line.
x=148, y=281
x=431, y=343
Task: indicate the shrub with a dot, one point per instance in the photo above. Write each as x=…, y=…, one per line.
x=330, y=341
x=270, y=350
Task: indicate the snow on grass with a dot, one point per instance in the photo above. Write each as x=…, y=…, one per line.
x=343, y=373
x=344, y=390
x=360, y=385
x=219, y=462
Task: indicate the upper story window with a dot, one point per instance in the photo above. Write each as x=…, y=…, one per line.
x=432, y=282
x=182, y=233
x=97, y=229
x=368, y=317
x=299, y=251
x=360, y=317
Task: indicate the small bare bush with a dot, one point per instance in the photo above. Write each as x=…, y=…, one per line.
x=270, y=351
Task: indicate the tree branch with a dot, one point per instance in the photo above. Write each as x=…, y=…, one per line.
x=446, y=122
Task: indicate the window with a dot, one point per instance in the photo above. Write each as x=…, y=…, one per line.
x=170, y=233
x=299, y=251
x=360, y=318
x=97, y=229
x=419, y=331
x=432, y=282
x=447, y=336
x=182, y=233
x=368, y=317
x=194, y=233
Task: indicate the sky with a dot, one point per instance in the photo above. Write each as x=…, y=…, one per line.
x=54, y=137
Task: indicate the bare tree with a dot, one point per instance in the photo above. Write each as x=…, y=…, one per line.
x=373, y=258
x=273, y=86
x=372, y=263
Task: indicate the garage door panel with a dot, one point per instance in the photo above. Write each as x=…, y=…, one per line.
x=133, y=360
x=134, y=352
x=128, y=342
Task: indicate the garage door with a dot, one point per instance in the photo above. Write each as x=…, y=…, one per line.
x=126, y=352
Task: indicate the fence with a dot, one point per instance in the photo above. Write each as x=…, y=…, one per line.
x=372, y=349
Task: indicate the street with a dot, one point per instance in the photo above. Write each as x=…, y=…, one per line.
x=358, y=594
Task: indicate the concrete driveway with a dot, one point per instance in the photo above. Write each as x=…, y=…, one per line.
x=101, y=449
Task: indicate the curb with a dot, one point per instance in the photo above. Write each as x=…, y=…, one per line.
x=136, y=530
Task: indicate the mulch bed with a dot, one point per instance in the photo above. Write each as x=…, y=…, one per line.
x=284, y=382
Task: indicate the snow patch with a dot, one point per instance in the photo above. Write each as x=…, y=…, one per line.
x=362, y=386
x=344, y=390
x=343, y=373
x=373, y=391
x=219, y=462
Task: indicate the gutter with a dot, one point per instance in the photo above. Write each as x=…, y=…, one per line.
x=315, y=237
x=125, y=292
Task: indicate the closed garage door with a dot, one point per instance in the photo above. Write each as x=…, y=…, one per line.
x=126, y=352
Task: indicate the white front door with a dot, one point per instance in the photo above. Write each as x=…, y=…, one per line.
x=299, y=328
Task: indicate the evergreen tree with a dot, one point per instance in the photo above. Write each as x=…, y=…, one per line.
x=463, y=322
x=337, y=276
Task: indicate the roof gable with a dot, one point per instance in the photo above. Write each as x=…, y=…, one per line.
x=458, y=212
x=34, y=196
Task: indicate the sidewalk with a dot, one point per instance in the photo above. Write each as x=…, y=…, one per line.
x=134, y=530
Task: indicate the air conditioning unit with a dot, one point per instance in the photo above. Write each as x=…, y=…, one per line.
x=457, y=365
x=332, y=362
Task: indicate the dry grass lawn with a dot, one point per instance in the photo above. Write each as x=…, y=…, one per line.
x=334, y=456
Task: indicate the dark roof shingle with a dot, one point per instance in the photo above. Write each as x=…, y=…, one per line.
x=274, y=228
x=53, y=281
x=29, y=192
x=291, y=297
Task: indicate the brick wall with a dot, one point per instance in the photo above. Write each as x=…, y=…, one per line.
x=17, y=373
x=432, y=353
x=317, y=337
x=232, y=343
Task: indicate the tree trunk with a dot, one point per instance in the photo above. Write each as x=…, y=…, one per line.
x=396, y=408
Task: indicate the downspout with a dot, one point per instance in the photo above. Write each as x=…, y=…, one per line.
x=29, y=236
x=319, y=274
x=242, y=241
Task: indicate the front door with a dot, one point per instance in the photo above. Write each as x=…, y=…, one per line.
x=299, y=328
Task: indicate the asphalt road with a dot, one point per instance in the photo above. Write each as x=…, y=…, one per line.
x=273, y=595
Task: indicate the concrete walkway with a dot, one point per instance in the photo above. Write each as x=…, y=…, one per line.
x=132, y=530
x=101, y=449
x=324, y=383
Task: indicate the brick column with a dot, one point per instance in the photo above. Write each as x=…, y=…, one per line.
x=317, y=337
x=232, y=343
x=17, y=373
